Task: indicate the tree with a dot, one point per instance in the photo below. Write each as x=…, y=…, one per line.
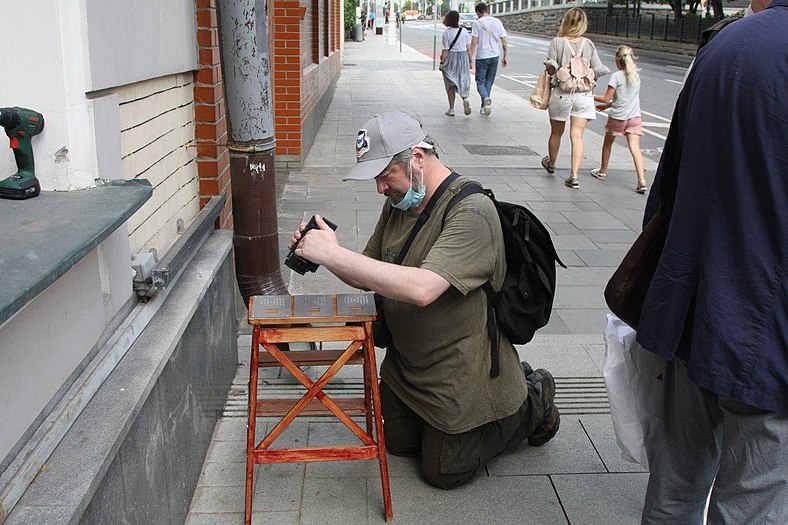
x=350, y=15
x=676, y=6
x=635, y=7
x=716, y=6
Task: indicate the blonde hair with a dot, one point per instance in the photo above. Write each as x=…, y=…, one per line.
x=626, y=57
x=574, y=24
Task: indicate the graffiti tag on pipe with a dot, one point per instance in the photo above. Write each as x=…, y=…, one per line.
x=257, y=168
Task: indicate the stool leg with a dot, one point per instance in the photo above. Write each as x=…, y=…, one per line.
x=368, y=396
x=250, y=427
x=370, y=365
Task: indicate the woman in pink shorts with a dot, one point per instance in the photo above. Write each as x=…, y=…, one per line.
x=623, y=99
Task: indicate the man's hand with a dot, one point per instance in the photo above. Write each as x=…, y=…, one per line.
x=316, y=244
x=504, y=61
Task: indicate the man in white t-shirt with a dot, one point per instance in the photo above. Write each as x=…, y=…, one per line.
x=488, y=43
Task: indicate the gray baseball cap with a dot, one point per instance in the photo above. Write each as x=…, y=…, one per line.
x=380, y=139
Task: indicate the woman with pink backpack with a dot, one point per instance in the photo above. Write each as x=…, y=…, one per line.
x=574, y=65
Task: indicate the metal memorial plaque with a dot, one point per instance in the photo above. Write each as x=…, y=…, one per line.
x=313, y=306
x=271, y=307
x=352, y=304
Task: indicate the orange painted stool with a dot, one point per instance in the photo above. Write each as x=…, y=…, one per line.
x=292, y=319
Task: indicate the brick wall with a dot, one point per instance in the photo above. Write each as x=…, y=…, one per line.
x=157, y=126
x=213, y=157
x=306, y=64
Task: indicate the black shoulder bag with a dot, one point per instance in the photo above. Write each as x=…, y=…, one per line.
x=379, y=328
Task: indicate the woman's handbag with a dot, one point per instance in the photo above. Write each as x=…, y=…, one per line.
x=626, y=291
x=540, y=97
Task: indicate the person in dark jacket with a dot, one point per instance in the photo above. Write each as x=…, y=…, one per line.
x=717, y=307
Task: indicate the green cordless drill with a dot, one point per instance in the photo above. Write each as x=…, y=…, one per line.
x=21, y=125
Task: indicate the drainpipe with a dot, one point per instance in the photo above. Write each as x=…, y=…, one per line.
x=249, y=96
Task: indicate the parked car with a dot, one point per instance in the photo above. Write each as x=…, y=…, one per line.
x=466, y=20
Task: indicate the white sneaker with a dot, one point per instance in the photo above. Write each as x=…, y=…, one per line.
x=487, y=106
x=449, y=113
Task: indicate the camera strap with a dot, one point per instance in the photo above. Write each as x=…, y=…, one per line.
x=425, y=215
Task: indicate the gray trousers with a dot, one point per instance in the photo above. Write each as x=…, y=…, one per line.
x=449, y=460
x=707, y=442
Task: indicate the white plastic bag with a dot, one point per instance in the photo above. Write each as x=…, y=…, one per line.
x=633, y=377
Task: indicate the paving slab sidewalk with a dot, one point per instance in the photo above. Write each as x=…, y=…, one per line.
x=579, y=477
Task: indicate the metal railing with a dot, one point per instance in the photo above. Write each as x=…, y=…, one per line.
x=647, y=26
x=650, y=27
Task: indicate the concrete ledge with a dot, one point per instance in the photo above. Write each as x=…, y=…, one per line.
x=46, y=236
x=135, y=453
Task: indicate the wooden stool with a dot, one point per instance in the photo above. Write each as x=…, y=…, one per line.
x=275, y=319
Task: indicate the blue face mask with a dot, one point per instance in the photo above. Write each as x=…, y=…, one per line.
x=412, y=199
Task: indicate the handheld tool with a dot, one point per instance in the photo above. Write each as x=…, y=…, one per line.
x=21, y=125
x=299, y=264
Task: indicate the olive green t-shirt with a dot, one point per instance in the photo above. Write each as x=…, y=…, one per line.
x=439, y=364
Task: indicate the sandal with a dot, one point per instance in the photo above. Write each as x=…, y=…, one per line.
x=641, y=188
x=546, y=165
x=466, y=106
x=598, y=174
x=572, y=182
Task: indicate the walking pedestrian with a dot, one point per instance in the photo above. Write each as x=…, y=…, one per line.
x=623, y=99
x=455, y=62
x=488, y=45
x=575, y=104
x=363, y=19
x=371, y=20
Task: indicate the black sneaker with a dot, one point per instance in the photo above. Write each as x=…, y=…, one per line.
x=544, y=384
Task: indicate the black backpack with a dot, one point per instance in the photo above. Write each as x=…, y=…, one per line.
x=525, y=301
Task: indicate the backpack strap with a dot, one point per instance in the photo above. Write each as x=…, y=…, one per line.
x=571, y=47
x=487, y=30
x=492, y=323
x=424, y=216
x=582, y=45
x=492, y=330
